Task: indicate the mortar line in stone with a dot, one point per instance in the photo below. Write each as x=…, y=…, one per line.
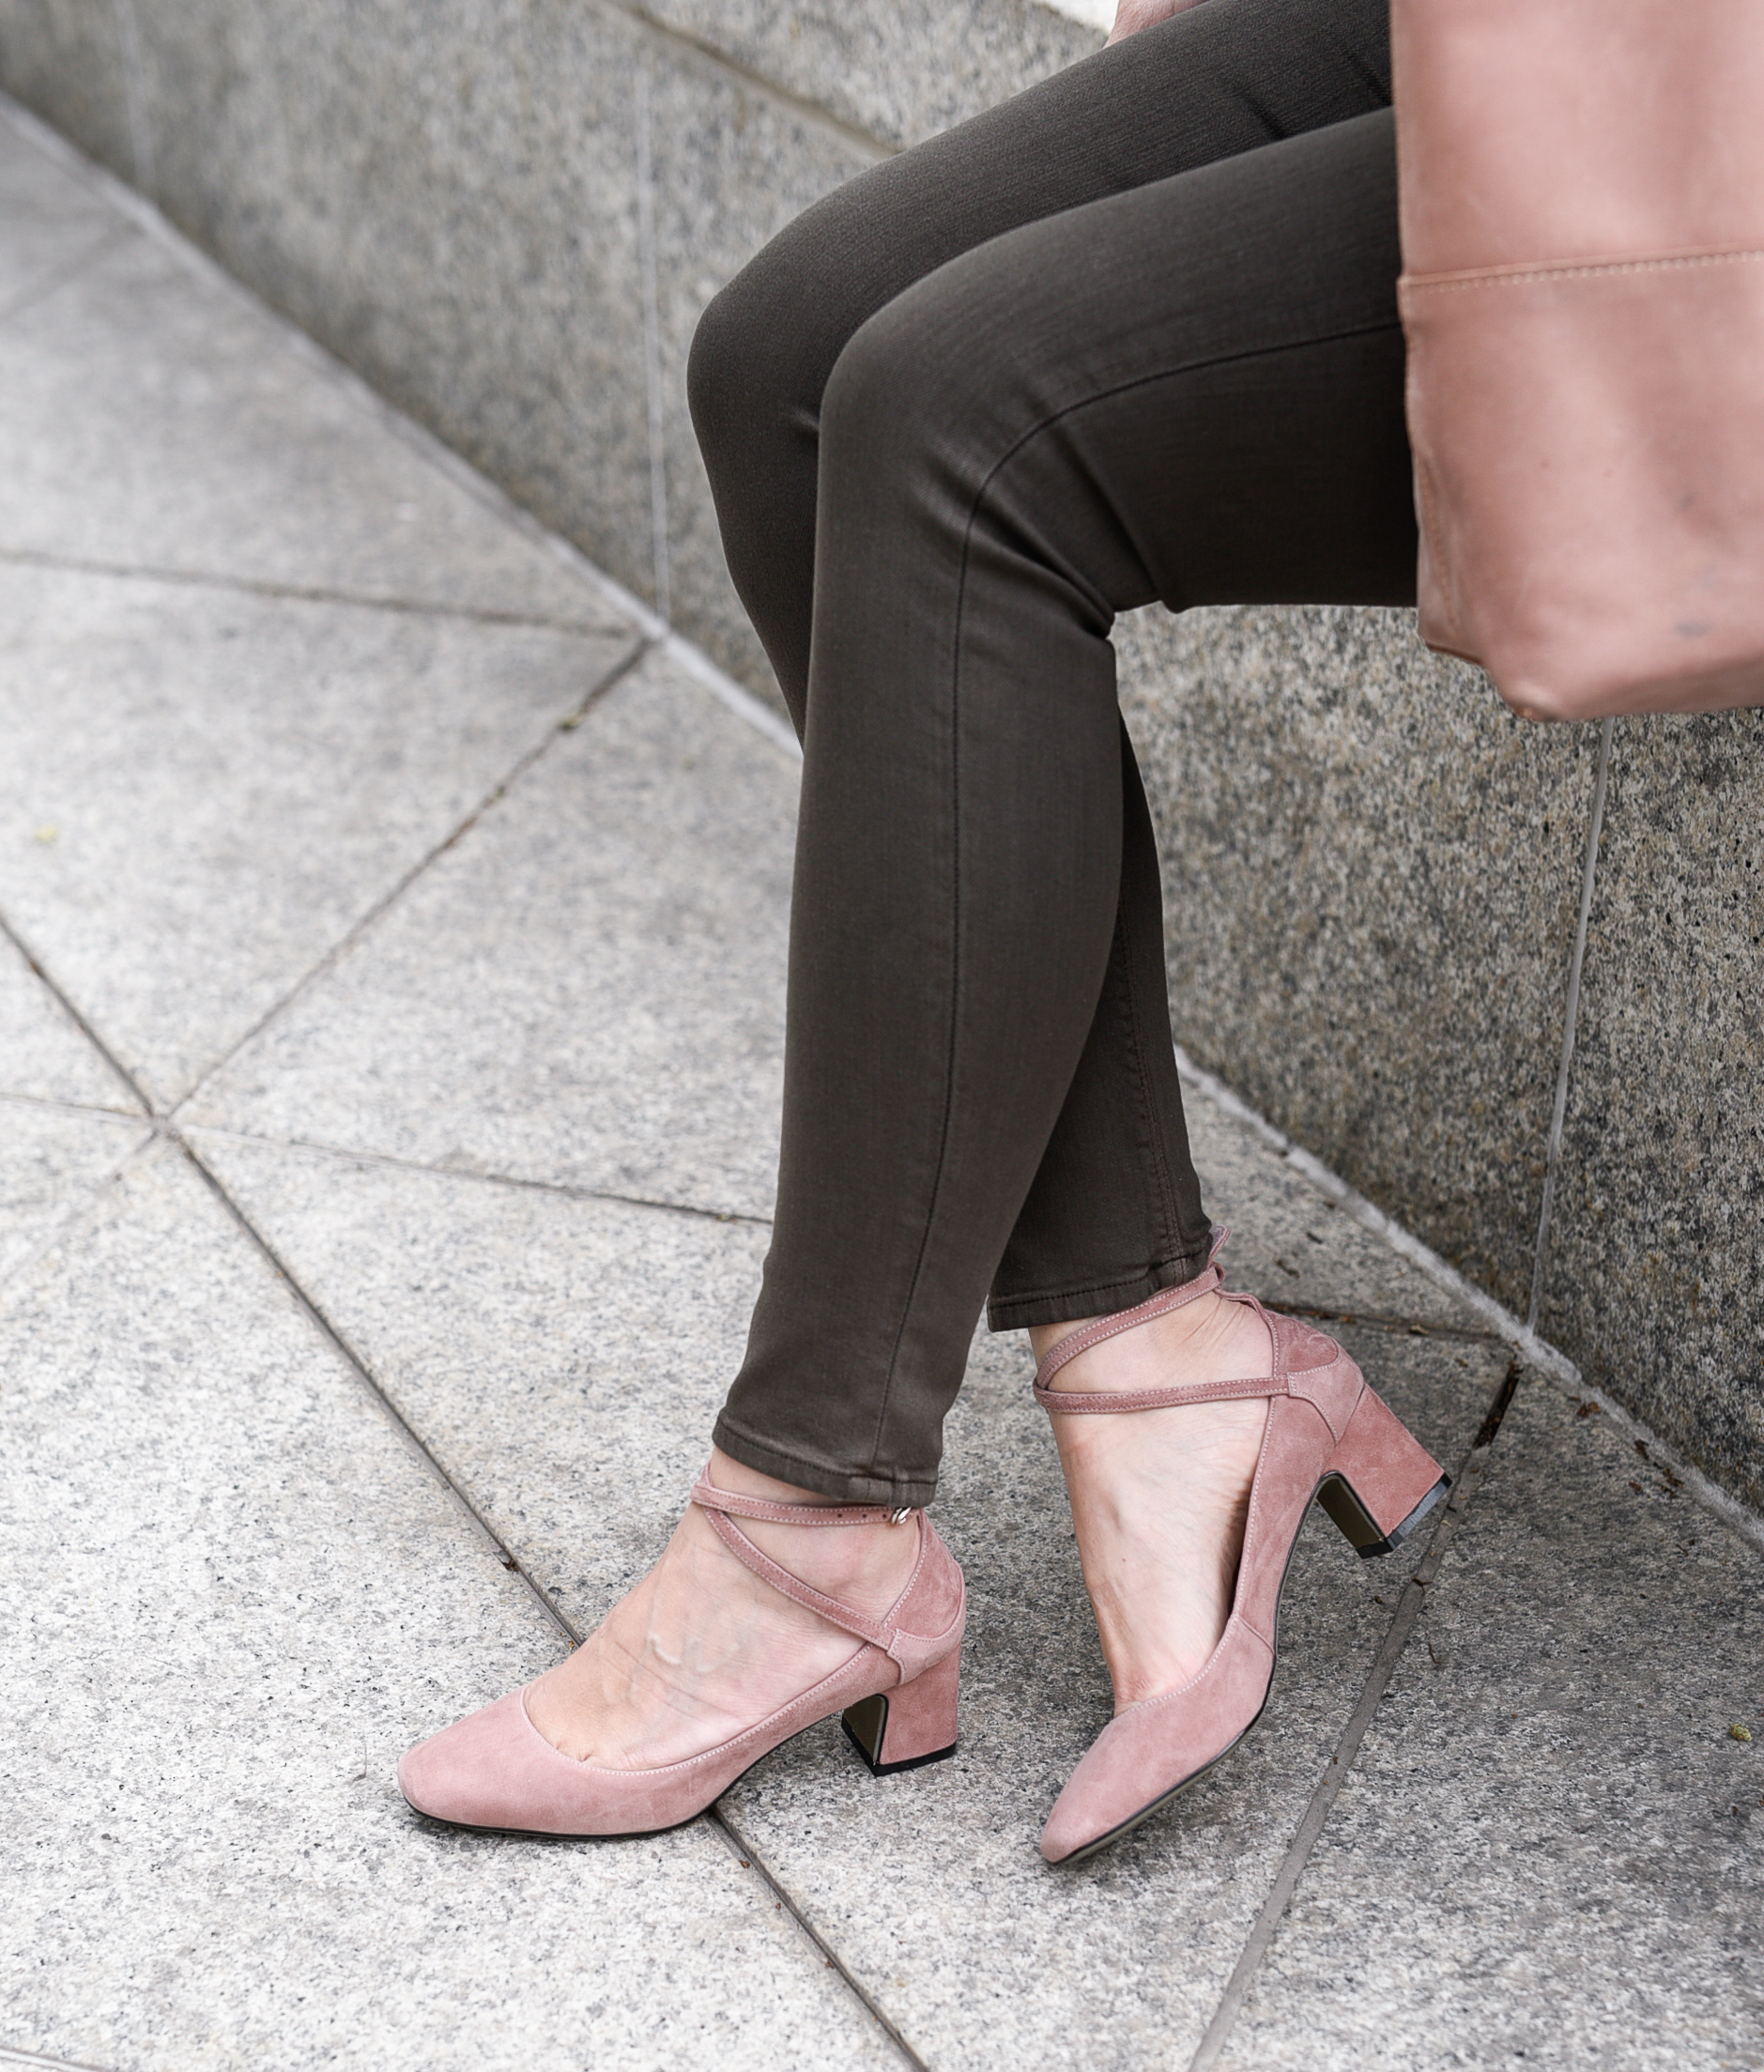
x=569, y=1189
x=56, y=1105
x=9, y=2054
x=41, y=971
x=810, y=111
x=351, y=936
x=498, y=1544
x=1468, y=1481
x=1571, y=1009
x=134, y=92
x=651, y=346
x=432, y=449
x=24, y=556
x=749, y=1858
x=83, y=1204
x=59, y=276
x=365, y=1375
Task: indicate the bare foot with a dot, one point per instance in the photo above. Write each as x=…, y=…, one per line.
x=1160, y=1496
x=702, y=1648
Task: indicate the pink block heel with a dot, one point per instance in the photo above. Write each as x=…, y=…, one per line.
x=911, y=1725
x=898, y=1692
x=1330, y=1436
x=1381, y=1482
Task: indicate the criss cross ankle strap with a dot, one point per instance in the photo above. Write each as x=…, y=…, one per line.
x=707, y=1496
x=1107, y=1403
x=723, y=1506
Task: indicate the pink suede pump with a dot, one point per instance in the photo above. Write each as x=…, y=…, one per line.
x=897, y=1693
x=1328, y=1435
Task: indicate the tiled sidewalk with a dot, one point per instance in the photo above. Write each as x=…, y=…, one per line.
x=386, y=1146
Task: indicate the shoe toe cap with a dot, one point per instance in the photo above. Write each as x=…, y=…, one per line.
x=462, y=1773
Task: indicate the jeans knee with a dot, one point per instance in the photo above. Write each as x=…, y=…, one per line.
x=884, y=391
x=720, y=369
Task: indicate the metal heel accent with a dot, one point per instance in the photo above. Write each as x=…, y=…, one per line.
x=1379, y=1481
x=1338, y=1498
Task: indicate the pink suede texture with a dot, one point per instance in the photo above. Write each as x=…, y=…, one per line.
x=922, y=1714
x=1383, y=1466
x=495, y=1769
x=1322, y=1420
x=1156, y=1745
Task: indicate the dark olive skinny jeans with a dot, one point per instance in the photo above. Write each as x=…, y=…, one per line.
x=1131, y=336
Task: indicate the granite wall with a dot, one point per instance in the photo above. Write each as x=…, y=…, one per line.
x=508, y=214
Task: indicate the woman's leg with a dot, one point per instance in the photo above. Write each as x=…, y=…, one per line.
x=1193, y=392
x=1223, y=79
x=1115, y=1211
x=1197, y=398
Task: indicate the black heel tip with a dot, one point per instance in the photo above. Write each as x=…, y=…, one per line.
x=892, y=1769
x=1398, y=1534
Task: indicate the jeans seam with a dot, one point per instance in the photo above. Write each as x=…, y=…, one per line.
x=1164, y=1189
x=1011, y=452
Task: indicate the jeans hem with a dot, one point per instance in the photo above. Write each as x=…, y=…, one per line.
x=806, y=1472
x=1073, y=1305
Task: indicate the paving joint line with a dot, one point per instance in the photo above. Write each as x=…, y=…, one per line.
x=505, y=1553
x=570, y=1191
x=365, y=1375
x=41, y=971
x=58, y=277
x=358, y=929
x=253, y=586
x=1468, y=1481
x=55, y=1105
x=750, y=1859
x=1376, y=1320
x=12, y=2054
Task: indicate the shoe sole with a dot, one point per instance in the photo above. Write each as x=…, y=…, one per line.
x=1330, y=1487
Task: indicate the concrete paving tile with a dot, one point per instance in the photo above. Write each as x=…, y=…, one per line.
x=564, y=1358
x=49, y=221
x=51, y=1160
x=233, y=1594
x=1293, y=1247
x=224, y=449
x=587, y=990
x=44, y=1054
x=234, y=780
x=1549, y=1852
